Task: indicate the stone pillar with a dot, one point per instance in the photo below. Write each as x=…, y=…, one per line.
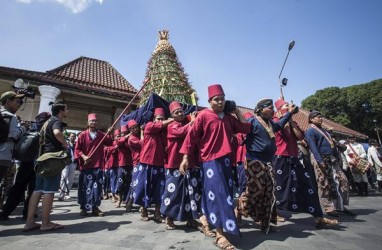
x=48, y=94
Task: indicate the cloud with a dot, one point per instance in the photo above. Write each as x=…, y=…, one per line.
x=75, y=6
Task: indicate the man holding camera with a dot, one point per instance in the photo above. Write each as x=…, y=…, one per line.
x=11, y=102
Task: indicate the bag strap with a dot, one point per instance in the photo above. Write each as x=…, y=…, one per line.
x=352, y=149
x=42, y=136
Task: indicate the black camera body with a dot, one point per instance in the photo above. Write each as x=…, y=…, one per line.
x=28, y=92
x=229, y=106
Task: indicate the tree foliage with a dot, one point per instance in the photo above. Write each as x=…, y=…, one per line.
x=356, y=106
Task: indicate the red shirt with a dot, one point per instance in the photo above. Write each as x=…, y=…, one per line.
x=154, y=144
x=124, y=153
x=213, y=135
x=85, y=145
x=110, y=156
x=135, y=145
x=286, y=142
x=176, y=132
x=241, y=150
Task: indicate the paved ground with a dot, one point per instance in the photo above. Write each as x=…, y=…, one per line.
x=118, y=230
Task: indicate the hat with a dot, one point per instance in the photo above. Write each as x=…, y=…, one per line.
x=174, y=106
x=159, y=111
x=263, y=103
x=279, y=103
x=248, y=115
x=131, y=123
x=214, y=90
x=124, y=129
x=92, y=117
x=313, y=114
x=10, y=94
x=117, y=132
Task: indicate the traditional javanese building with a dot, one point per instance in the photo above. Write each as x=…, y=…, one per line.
x=86, y=85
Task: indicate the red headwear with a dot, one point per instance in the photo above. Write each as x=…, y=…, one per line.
x=214, y=90
x=159, y=111
x=248, y=115
x=117, y=132
x=131, y=123
x=279, y=103
x=92, y=117
x=124, y=129
x=174, y=106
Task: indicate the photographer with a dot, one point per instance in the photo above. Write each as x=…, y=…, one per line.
x=25, y=177
x=10, y=102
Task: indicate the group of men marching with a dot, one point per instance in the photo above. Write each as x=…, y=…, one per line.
x=183, y=167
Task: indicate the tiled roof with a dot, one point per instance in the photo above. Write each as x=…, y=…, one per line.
x=301, y=118
x=83, y=73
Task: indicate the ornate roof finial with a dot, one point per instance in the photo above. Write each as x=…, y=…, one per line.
x=163, y=35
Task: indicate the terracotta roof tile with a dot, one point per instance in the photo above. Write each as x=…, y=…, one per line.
x=83, y=73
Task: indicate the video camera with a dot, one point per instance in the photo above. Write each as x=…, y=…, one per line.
x=21, y=87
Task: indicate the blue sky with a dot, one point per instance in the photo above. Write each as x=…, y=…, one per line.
x=240, y=44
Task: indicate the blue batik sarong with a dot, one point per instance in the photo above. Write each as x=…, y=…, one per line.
x=295, y=190
x=113, y=179
x=123, y=181
x=217, y=200
x=90, y=188
x=150, y=186
x=182, y=195
x=242, y=180
x=106, y=182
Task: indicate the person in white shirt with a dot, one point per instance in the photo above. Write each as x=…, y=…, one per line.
x=354, y=153
x=374, y=158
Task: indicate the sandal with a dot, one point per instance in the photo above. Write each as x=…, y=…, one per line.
x=320, y=222
x=224, y=244
x=193, y=224
x=280, y=219
x=157, y=217
x=144, y=214
x=170, y=224
x=207, y=231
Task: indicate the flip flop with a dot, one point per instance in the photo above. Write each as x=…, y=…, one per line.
x=55, y=227
x=32, y=228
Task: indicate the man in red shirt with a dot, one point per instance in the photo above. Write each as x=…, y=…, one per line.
x=182, y=192
x=90, y=179
x=212, y=131
x=295, y=190
x=152, y=159
x=135, y=144
x=113, y=172
x=125, y=167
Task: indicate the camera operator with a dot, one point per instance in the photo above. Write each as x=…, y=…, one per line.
x=25, y=177
x=10, y=102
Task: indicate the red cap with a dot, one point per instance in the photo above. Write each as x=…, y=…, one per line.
x=124, y=129
x=174, y=106
x=215, y=90
x=117, y=132
x=248, y=115
x=92, y=117
x=131, y=123
x=279, y=103
x=159, y=111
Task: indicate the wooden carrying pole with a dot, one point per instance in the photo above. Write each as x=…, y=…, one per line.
x=119, y=117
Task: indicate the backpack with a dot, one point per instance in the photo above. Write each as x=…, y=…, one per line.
x=27, y=147
x=4, y=127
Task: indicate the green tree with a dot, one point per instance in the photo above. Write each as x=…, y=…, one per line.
x=355, y=107
x=166, y=74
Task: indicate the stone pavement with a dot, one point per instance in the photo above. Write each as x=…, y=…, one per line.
x=118, y=230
